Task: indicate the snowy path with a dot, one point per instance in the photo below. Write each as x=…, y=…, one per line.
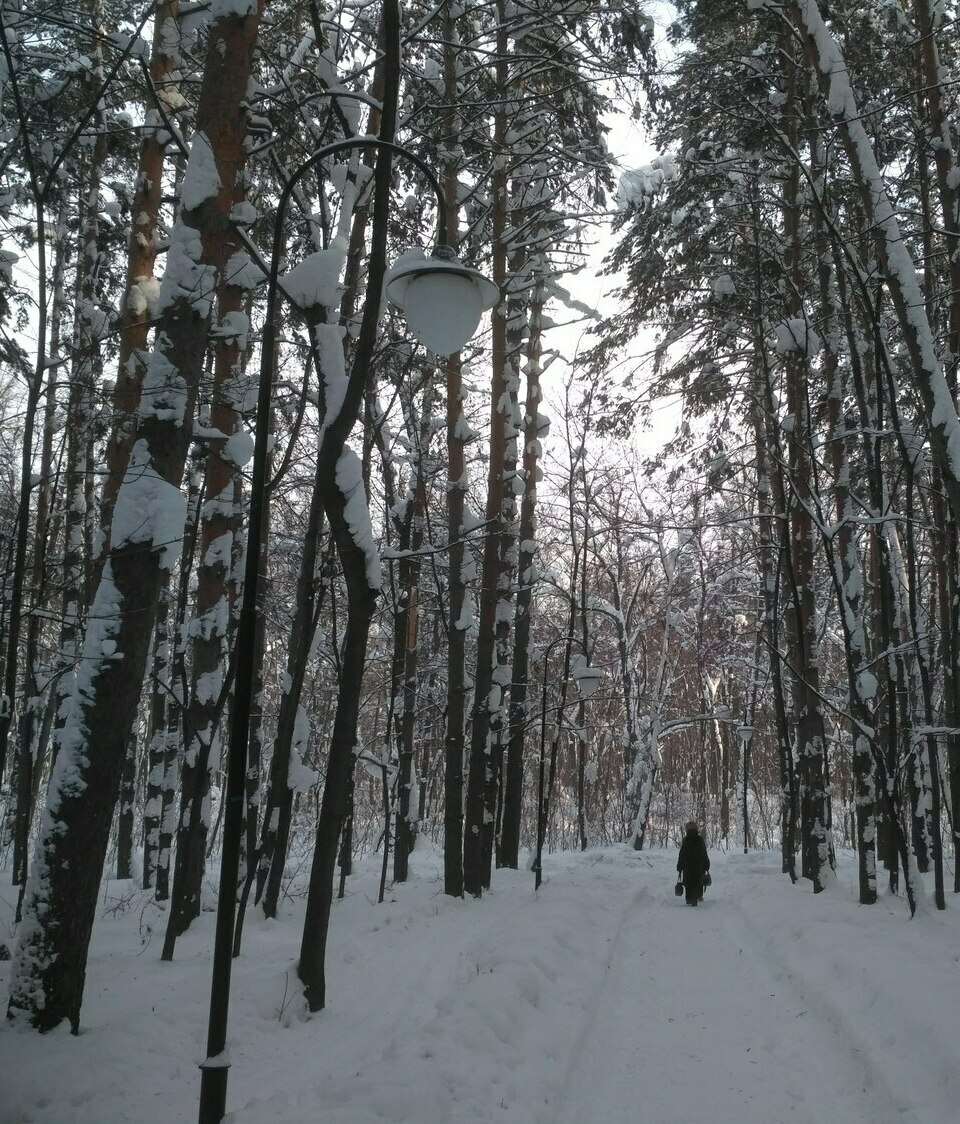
x=602, y=999
x=690, y=1026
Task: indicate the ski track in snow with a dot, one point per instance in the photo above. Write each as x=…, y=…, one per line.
x=691, y=1026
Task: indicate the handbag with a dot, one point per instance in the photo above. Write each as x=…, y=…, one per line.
x=678, y=889
x=707, y=880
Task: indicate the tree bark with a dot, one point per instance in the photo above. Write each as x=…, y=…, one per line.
x=337, y=480
x=457, y=552
x=26, y=779
x=487, y=691
x=136, y=311
x=509, y=841
x=406, y=830
x=157, y=740
x=126, y=810
x=50, y=963
x=811, y=744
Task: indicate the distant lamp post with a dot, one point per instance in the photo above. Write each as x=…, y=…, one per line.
x=587, y=679
x=443, y=321
x=745, y=734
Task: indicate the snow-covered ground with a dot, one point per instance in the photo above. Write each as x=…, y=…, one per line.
x=602, y=999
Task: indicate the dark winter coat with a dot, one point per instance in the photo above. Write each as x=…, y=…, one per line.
x=693, y=863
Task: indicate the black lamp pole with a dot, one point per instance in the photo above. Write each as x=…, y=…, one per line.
x=214, y=1069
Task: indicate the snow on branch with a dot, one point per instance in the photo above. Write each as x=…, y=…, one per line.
x=796, y=335
x=315, y=281
x=640, y=184
x=349, y=476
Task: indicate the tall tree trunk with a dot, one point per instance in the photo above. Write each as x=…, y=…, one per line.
x=866, y=340
x=126, y=809
x=343, y=496
x=177, y=697
x=279, y=805
x=28, y=760
x=46, y=529
x=140, y=290
x=457, y=553
x=157, y=755
x=85, y=369
x=50, y=963
x=533, y=424
x=333, y=808
x=816, y=853
x=406, y=830
x=228, y=448
x=487, y=691
x=255, y=749
x=943, y=148
x=327, y=340
x=771, y=519
x=458, y=556
x=847, y=571
x=328, y=343
x=36, y=380
x=645, y=764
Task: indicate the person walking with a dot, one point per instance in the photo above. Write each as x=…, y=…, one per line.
x=693, y=863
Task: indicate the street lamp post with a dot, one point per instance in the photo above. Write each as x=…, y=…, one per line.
x=587, y=678
x=745, y=734
x=411, y=286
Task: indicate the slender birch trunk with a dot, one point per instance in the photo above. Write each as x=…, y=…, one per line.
x=847, y=571
x=28, y=760
x=157, y=756
x=629, y=680
x=257, y=745
x=646, y=762
x=40, y=676
x=36, y=380
x=507, y=550
x=279, y=804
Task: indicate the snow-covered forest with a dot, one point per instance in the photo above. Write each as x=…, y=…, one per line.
x=316, y=602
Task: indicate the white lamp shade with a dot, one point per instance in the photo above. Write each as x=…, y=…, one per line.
x=441, y=298
x=586, y=676
x=443, y=310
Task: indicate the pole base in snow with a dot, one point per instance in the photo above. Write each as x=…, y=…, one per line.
x=213, y=1092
